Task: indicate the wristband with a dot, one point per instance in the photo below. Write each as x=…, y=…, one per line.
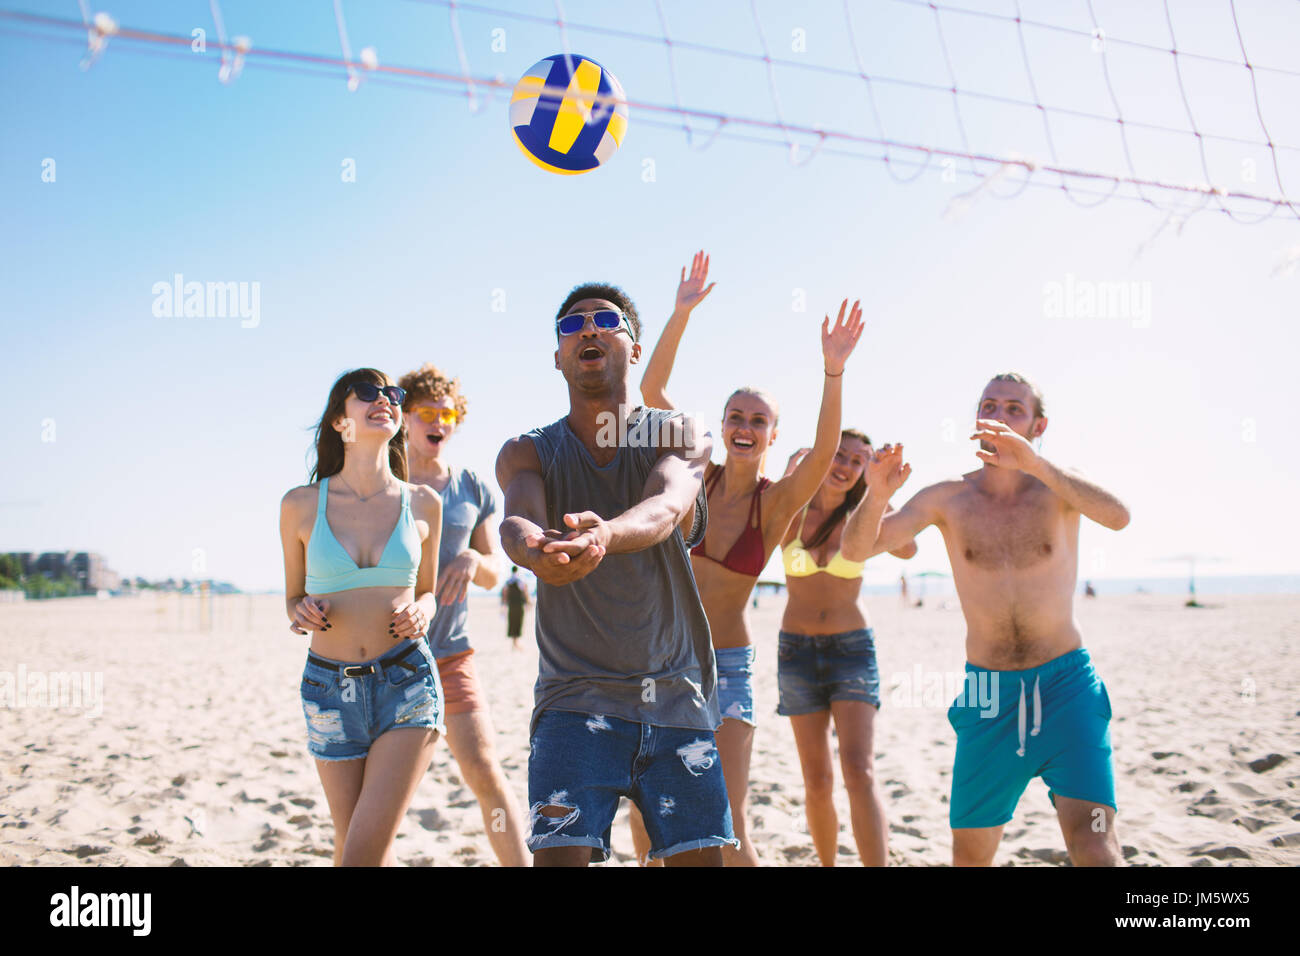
x=834, y=374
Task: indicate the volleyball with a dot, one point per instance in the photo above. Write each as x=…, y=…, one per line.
x=571, y=131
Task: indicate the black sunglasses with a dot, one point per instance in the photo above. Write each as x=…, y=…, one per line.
x=368, y=392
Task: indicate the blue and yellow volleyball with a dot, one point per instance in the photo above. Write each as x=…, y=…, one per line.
x=571, y=131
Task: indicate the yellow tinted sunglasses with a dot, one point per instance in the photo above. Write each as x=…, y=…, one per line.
x=448, y=416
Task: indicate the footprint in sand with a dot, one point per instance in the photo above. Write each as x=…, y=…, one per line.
x=305, y=802
x=1264, y=764
x=1286, y=839
x=430, y=819
x=1220, y=852
x=1245, y=789
x=86, y=850
x=1253, y=824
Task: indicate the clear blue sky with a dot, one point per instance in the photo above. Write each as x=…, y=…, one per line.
x=172, y=434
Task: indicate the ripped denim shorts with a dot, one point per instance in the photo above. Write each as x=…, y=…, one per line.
x=349, y=705
x=580, y=764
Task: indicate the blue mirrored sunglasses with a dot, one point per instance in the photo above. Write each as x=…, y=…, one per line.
x=607, y=320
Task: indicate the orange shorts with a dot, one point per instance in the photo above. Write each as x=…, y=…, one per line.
x=460, y=689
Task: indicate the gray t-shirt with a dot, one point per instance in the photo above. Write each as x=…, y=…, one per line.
x=630, y=639
x=467, y=502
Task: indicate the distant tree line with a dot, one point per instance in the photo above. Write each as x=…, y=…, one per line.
x=34, y=585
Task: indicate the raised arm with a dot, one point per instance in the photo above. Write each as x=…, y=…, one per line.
x=796, y=489
x=691, y=291
x=667, y=500
x=1012, y=450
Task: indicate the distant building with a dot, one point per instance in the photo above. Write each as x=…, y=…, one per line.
x=88, y=569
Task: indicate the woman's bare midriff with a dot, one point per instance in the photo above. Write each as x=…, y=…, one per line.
x=823, y=604
x=725, y=595
x=359, y=621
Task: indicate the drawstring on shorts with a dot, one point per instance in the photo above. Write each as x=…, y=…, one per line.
x=1038, y=714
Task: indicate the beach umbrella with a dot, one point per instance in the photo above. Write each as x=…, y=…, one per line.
x=928, y=574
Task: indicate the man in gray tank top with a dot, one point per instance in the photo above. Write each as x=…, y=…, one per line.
x=625, y=702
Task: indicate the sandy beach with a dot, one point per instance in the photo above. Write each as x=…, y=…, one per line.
x=194, y=752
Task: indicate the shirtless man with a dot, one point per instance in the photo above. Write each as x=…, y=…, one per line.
x=1012, y=533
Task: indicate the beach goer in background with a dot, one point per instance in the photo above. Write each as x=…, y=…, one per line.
x=360, y=562
x=1032, y=705
x=515, y=596
x=435, y=407
x=625, y=703
x=826, y=656
x=748, y=513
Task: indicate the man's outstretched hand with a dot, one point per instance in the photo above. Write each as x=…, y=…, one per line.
x=566, y=556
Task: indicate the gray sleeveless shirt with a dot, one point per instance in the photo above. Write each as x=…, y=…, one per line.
x=630, y=639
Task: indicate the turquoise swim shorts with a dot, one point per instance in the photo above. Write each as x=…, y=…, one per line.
x=1051, y=721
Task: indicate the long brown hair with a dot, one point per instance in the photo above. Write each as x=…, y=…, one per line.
x=851, y=497
x=329, y=442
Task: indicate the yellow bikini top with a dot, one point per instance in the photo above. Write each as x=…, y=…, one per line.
x=800, y=564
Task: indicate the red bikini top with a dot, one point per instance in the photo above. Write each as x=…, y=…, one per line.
x=747, y=555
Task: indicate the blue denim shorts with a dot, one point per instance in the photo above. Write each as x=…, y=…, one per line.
x=814, y=670
x=736, y=683
x=585, y=762
x=349, y=705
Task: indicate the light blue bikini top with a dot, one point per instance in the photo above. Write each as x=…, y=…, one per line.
x=330, y=568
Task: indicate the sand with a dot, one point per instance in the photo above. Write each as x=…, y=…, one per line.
x=197, y=753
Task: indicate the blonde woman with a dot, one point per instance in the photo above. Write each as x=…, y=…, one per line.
x=748, y=513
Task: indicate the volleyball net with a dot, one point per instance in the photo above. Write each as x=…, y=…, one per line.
x=1240, y=168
